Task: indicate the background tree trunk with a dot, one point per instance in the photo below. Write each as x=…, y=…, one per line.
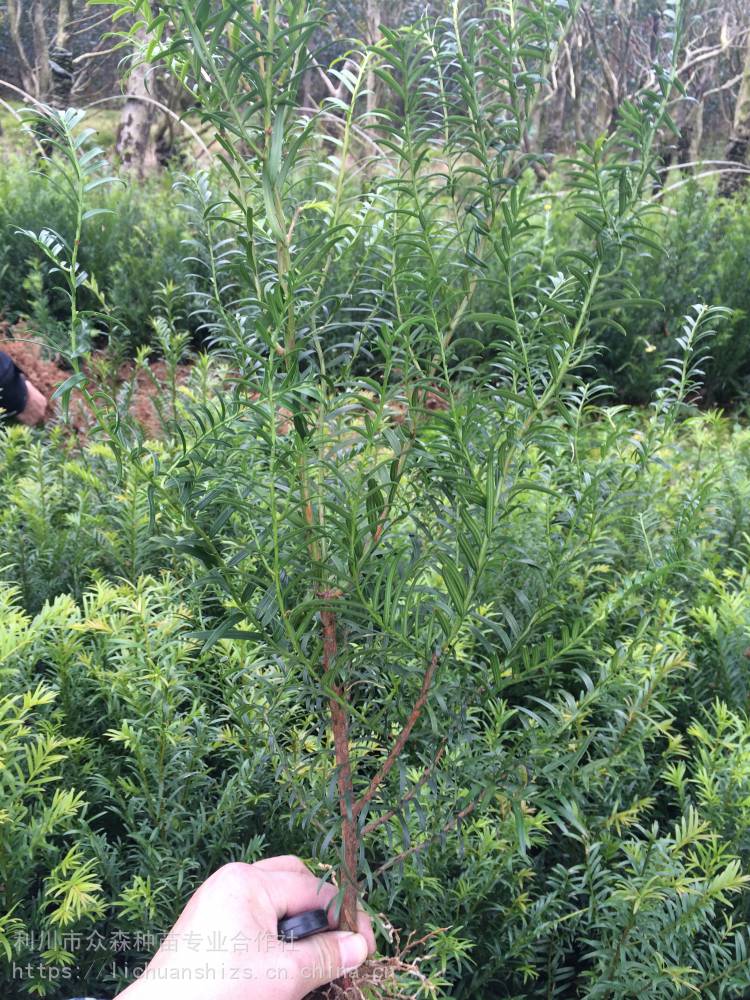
x=42, y=70
x=64, y=17
x=46, y=70
x=61, y=57
x=15, y=10
x=374, y=19
x=135, y=144
x=739, y=139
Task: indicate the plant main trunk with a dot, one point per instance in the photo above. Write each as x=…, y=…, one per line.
x=340, y=727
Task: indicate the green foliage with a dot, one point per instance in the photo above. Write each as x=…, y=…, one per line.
x=67, y=519
x=52, y=519
x=172, y=780
x=132, y=248
x=611, y=849
x=702, y=254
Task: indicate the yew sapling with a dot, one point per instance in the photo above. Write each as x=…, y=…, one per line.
x=403, y=370
x=371, y=450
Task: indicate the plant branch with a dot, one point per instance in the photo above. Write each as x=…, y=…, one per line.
x=423, y=778
x=402, y=738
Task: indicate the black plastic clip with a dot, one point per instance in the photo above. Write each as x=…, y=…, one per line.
x=303, y=925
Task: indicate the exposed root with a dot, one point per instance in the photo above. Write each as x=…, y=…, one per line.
x=394, y=977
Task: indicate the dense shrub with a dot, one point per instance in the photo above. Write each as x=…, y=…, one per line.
x=131, y=250
x=65, y=520
x=611, y=731
x=701, y=254
x=163, y=232
x=126, y=778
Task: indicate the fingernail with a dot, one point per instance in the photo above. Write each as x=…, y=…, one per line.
x=353, y=949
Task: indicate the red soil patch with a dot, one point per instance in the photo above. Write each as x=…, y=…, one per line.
x=150, y=393
x=45, y=375
x=150, y=385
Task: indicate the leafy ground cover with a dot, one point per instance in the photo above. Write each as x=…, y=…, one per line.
x=586, y=832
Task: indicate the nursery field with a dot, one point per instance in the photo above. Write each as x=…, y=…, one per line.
x=392, y=510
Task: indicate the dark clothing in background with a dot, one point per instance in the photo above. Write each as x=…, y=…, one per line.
x=13, y=392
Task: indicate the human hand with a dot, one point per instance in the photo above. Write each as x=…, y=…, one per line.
x=36, y=406
x=238, y=908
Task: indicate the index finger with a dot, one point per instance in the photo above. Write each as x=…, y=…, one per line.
x=291, y=892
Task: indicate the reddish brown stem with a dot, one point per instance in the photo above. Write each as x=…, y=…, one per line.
x=340, y=726
x=401, y=740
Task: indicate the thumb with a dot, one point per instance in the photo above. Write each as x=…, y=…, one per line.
x=324, y=957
